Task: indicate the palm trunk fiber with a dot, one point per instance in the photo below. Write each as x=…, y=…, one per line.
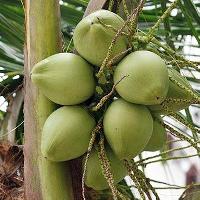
x=44, y=180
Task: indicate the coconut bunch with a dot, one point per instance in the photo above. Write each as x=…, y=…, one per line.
x=111, y=113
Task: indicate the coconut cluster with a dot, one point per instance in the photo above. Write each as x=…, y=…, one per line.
x=131, y=121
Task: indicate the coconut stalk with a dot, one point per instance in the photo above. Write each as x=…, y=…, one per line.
x=44, y=180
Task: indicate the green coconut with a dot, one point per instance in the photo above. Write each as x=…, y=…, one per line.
x=94, y=177
x=64, y=78
x=147, y=79
x=92, y=39
x=175, y=92
x=158, y=137
x=66, y=133
x=128, y=128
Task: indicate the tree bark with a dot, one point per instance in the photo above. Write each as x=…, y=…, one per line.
x=44, y=180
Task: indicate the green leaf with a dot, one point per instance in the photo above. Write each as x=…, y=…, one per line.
x=191, y=7
x=187, y=15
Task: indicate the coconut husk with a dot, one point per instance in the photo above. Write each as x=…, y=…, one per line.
x=11, y=172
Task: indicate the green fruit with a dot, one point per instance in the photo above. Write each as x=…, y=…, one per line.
x=92, y=39
x=64, y=78
x=66, y=133
x=158, y=137
x=94, y=177
x=175, y=92
x=128, y=128
x=147, y=82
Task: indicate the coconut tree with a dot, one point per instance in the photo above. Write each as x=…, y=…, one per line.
x=173, y=31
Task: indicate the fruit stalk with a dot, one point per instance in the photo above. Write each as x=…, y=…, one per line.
x=165, y=14
x=141, y=162
x=43, y=179
x=106, y=168
x=111, y=3
x=95, y=131
x=182, y=136
x=118, y=34
x=134, y=179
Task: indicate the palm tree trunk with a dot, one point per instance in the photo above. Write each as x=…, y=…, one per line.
x=44, y=180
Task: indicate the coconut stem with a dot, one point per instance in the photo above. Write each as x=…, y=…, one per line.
x=95, y=131
x=157, y=24
x=173, y=54
x=170, y=158
x=125, y=8
x=106, y=97
x=110, y=26
x=184, y=122
x=141, y=162
x=168, y=50
x=134, y=178
x=115, y=58
x=118, y=34
x=111, y=4
x=134, y=18
x=106, y=168
x=173, y=100
x=181, y=136
x=110, y=49
x=145, y=180
x=189, y=91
